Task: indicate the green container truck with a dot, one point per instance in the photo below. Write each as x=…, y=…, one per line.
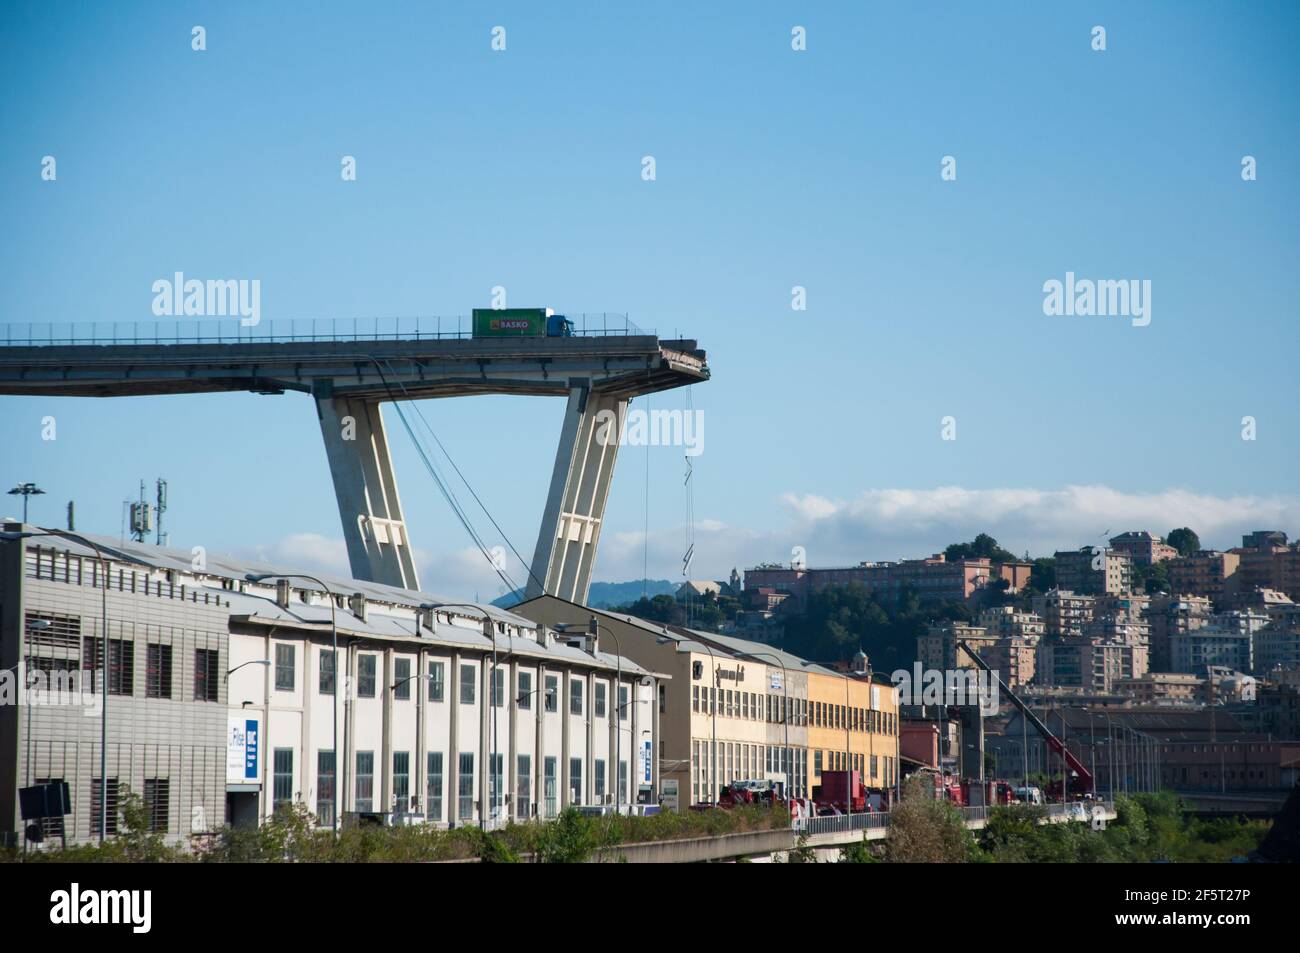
x=520, y=322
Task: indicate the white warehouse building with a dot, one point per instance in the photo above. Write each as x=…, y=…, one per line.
x=222, y=696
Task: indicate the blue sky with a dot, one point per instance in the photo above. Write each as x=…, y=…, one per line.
x=775, y=168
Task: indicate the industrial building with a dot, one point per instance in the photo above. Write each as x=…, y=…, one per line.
x=734, y=709
x=226, y=696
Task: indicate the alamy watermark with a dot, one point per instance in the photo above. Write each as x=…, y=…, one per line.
x=965, y=687
x=653, y=428
x=220, y=297
x=1106, y=297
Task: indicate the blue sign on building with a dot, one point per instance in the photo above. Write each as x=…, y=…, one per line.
x=250, y=749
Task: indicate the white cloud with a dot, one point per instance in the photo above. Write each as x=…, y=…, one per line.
x=877, y=524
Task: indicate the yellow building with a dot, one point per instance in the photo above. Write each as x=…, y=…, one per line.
x=852, y=725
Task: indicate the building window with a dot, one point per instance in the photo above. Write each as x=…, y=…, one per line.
x=207, y=674
x=283, y=790
x=327, y=671
x=402, y=679
x=158, y=671
x=523, y=786
x=575, y=780
x=552, y=693
x=468, y=676
x=365, y=781
x=157, y=803
x=622, y=703
x=401, y=781
x=498, y=686
x=284, y=658
x=695, y=698
x=325, y=788
x=622, y=782
x=437, y=685
x=548, y=786
x=525, y=691
x=600, y=700
x=817, y=763
x=95, y=797
x=599, y=780
x=433, y=786
x=496, y=783
x=121, y=663
x=575, y=696
x=366, y=676
x=466, y=804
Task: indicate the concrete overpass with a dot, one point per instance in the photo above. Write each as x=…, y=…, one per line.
x=349, y=373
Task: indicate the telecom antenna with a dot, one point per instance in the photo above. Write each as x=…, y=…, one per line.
x=141, y=518
x=161, y=538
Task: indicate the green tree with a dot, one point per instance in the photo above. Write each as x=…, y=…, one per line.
x=923, y=830
x=1183, y=540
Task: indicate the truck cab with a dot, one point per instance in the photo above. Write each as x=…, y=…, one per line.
x=558, y=326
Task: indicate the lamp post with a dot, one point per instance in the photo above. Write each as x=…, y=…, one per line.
x=103, y=664
x=713, y=704
x=490, y=632
x=334, y=638
x=593, y=628
x=26, y=491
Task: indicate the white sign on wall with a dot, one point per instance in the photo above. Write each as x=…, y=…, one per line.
x=243, y=748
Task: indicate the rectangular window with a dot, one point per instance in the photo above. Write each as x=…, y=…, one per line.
x=437, y=687
x=284, y=659
x=433, y=787
x=466, y=804
x=622, y=703
x=498, y=687
x=599, y=779
x=496, y=783
x=157, y=804
x=695, y=698
x=523, y=786
x=283, y=790
x=525, y=690
x=365, y=781
x=121, y=663
x=600, y=700
x=575, y=779
x=158, y=671
x=402, y=679
x=327, y=671
x=366, y=676
x=817, y=763
x=468, y=676
x=622, y=782
x=401, y=781
x=552, y=692
x=207, y=675
x=95, y=797
x=575, y=696
x=325, y=788
x=549, y=786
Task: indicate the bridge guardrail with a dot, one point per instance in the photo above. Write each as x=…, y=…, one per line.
x=229, y=330
x=843, y=823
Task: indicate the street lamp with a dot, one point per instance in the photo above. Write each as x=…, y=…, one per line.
x=256, y=661
x=713, y=704
x=593, y=628
x=103, y=663
x=334, y=637
x=489, y=630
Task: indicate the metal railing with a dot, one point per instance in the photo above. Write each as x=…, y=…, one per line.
x=229, y=330
x=845, y=823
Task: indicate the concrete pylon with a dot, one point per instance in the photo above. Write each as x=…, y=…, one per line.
x=575, y=507
x=379, y=548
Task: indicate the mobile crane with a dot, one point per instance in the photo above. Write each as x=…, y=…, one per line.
x=1083, y=781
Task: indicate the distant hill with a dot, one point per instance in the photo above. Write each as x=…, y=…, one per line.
x=607, y=595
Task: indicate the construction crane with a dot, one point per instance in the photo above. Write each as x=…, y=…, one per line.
x=1086, y=783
